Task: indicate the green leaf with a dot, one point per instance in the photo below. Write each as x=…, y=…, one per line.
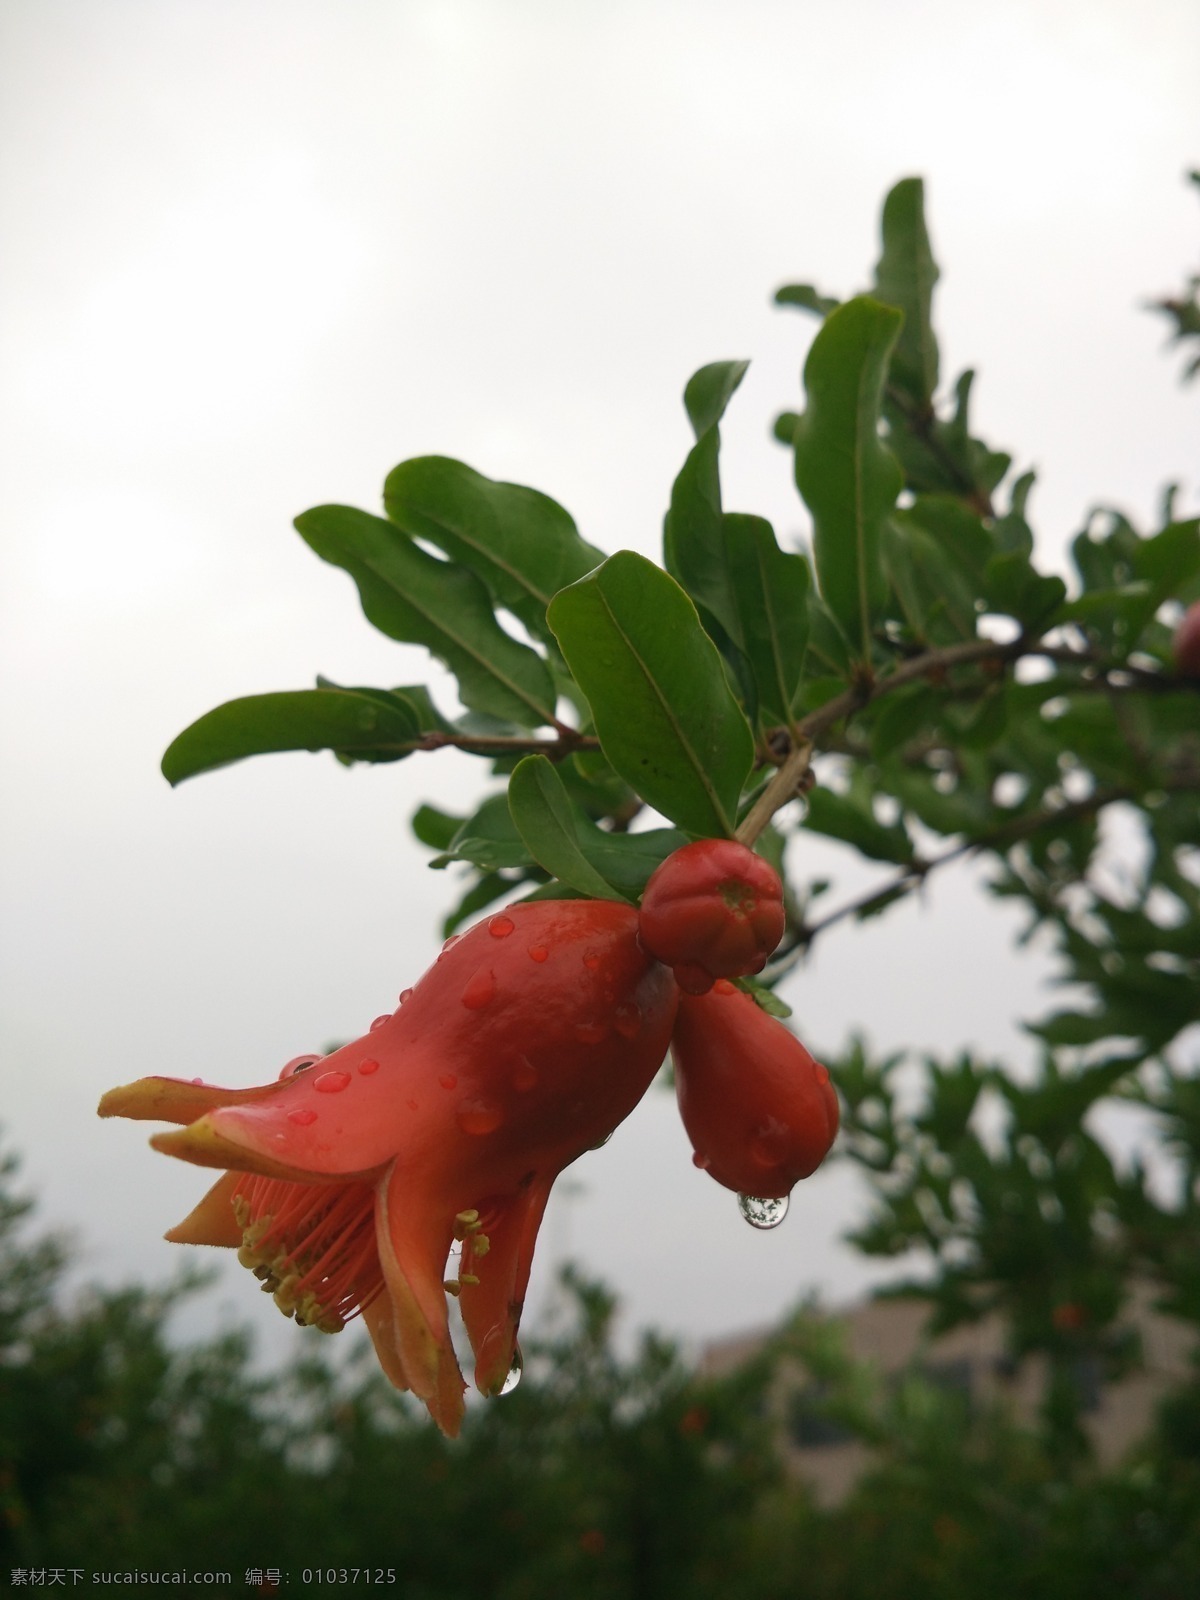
x=770, y=591
x=364, y=724
x=435, y=828
x=659, y=698
x=765, y=999
x=545, y=817
x=522, y=544
x=418, y=599
x=1013, y=587
x=806, y=298
x=488, y=839
x=905, y=278
x=840, y=817
x=693, y=539
x=848, y=478
x=709, y=390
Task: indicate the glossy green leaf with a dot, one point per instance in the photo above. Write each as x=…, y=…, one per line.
x=414, y=597
x=905, y=278
x=545, y=817
x=522, y=544
x=659, y=698
x=847, y=476
x=770, y=591
x=365, y=724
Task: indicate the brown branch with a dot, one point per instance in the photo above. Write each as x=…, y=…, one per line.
x=917, y=870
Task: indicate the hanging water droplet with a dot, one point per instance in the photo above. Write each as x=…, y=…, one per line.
x=762, y=1213
x=700, y=1160
x=599, y=1145
x=404, y=995
x=514, y=1372
x=380, y=1021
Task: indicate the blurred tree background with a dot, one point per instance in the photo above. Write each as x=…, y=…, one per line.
x=1077, y=784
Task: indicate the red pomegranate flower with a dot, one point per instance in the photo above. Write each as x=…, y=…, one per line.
x=348, y=1179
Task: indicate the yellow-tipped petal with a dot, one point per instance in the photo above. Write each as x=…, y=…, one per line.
x=202, y=1145
x=174, y=1099
x=212, y=1221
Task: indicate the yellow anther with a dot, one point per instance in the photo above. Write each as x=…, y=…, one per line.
x=468, y=1277
x=452, y=1286
x=481, y=1244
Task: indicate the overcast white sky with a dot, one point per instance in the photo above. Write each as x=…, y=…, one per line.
x=258, y=252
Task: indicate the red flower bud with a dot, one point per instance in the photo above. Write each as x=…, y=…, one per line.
x=351, y=1175
x=760, y=1112
x=712, y=910
x=1186, y=645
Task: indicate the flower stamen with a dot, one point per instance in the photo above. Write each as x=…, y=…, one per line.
x=312, y=1246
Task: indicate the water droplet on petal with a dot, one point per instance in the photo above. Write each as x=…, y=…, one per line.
x=481, y=990
x=451, y=942
x=284, y=1073
x=368, y=1066
x=332, y=1082
x=600, y=1143
x=500, y=927
x=769, y=1143
x=379, y=1021
x=405, y=994
x=479, y=1116
x=822, y=1073
x=591, y=961
x=538, y=952
x=295, y=1065
x=412, y=1105
x=524, y=1075
x=591, y=1032
x=303, y=1117
x=628, y=1020
x=703, y=1162
x=514, y=1372
x=448, y=1081
x=763, y=1213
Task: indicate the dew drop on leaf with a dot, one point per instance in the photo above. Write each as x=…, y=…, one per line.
x=762, y=1213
